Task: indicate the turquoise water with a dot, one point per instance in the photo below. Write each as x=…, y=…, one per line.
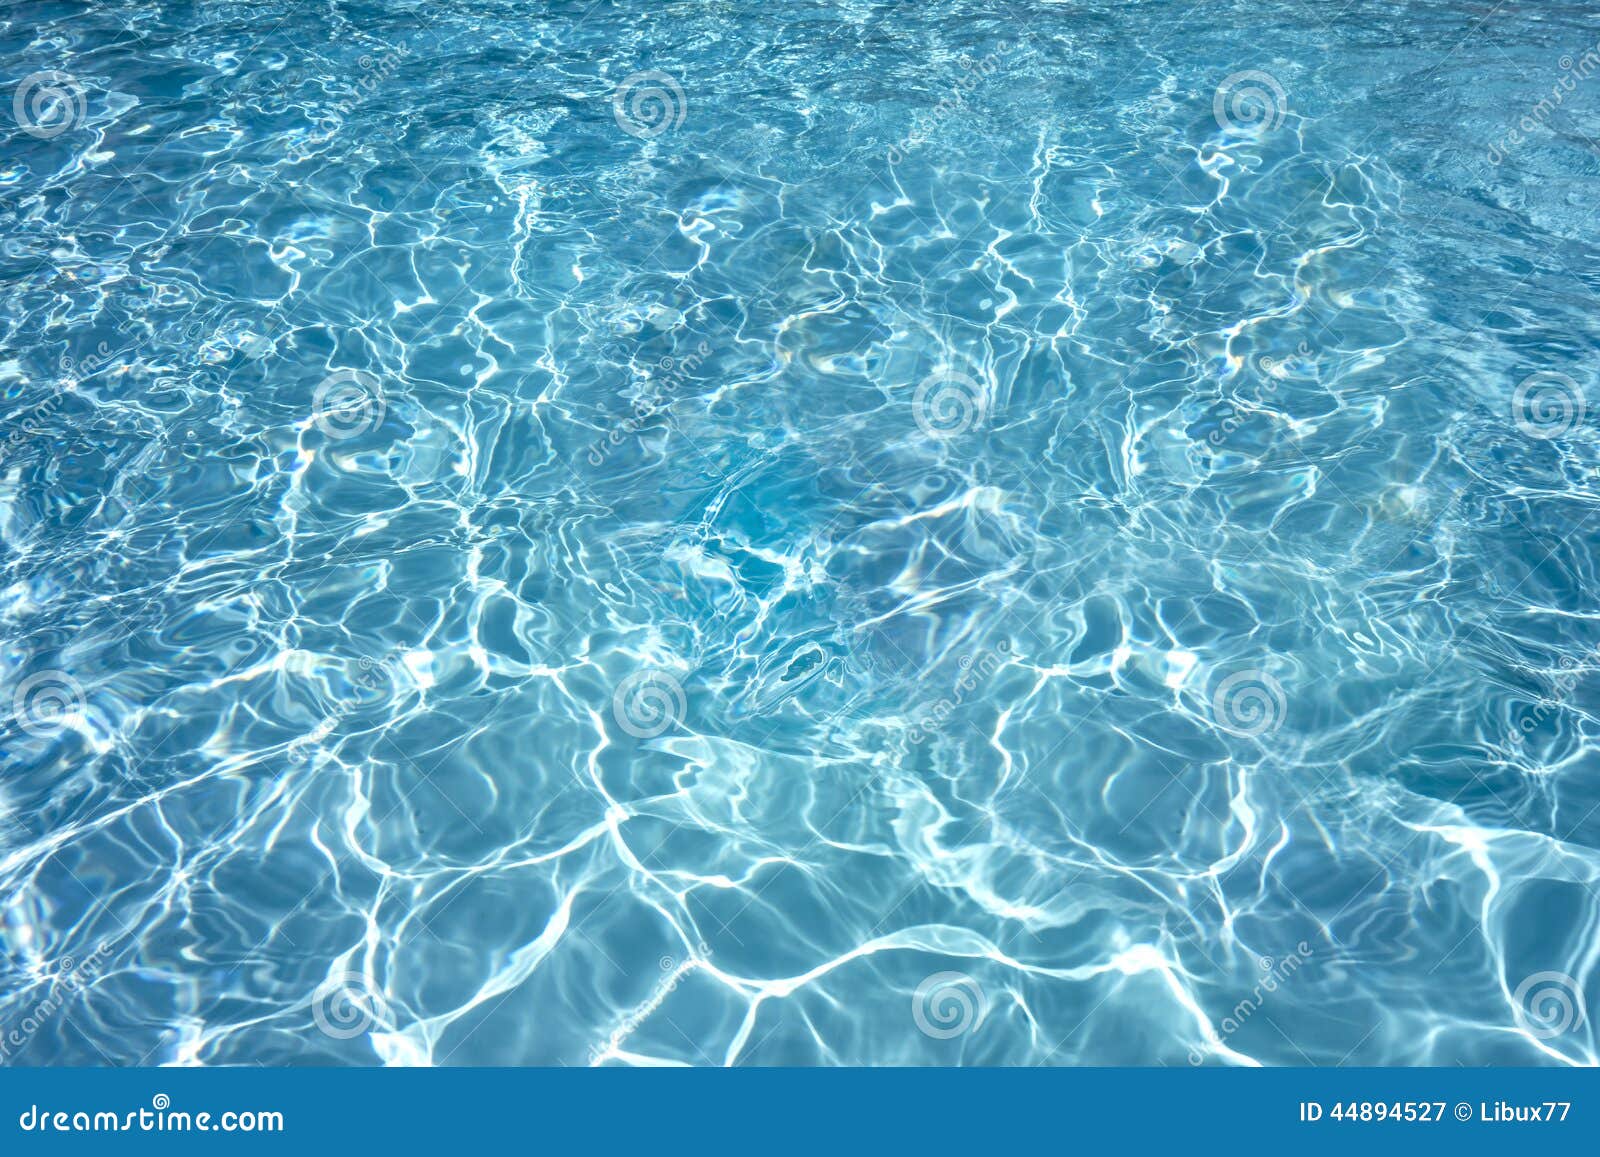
x=818, y=533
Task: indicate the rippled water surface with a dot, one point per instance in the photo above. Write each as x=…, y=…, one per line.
x=802, y=533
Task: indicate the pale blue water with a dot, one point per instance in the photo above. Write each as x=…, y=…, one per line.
x=951, y=533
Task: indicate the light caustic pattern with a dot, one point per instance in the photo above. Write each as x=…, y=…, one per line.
x=813, y=533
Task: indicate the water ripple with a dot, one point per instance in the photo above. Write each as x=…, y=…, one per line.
x=847, y=534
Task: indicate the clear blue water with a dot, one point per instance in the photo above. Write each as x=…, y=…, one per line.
x=949, y=533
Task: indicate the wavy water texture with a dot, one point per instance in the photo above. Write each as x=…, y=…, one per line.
x=812, y=533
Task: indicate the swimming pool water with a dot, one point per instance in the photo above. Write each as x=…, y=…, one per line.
x=799, y=534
